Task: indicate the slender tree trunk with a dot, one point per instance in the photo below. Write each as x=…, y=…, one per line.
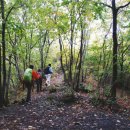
x=26, y=56
x=41, y=57
x=17, y=67
x=61, y=58
x=4, y=56
x=0, y=78
x=80, y=60
x=115, y=45
x=71, y=53
x=41, y=50
x=72, y=24
x=66, y=60
x=85, y=52
x=8, y=82
x=30, y=47
x=47, y=52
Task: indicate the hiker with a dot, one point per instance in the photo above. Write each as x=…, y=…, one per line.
x=29, y=76
x=48, y=72
x=39, y=80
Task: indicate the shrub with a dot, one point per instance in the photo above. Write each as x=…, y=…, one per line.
x=68, y=96
x=107, y=91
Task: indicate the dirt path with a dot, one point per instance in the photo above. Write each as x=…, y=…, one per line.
x=48, y=112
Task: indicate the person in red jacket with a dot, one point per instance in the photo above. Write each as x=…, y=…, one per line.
x=39, y=80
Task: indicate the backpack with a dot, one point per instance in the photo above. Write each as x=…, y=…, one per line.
x=43, y=76
x=40, y=73
x=35, y=75
x=46, y=70
x=28, y=75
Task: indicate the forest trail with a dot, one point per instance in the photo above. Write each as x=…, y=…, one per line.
x=48, y=112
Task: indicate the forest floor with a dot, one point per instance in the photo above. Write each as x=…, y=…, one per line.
x=47, y=111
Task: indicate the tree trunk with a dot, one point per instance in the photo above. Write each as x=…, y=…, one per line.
x=71, y=46
x=17, y=67
x=47, y=51
x=115, y=45
x=26, y=56
x=0, y=78
x=61, y=58
x=8, y=82
x=41, y=49
x=4, y=56
x=80, y=60
x=71, y=54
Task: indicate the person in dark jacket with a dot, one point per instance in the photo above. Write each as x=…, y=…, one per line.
x=48, y=72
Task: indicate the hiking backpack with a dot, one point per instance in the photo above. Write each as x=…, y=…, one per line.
x=46, y=70
x=28, y=75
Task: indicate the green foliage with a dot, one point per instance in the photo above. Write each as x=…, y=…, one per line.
x=89, y=87
x=98, y=9
x=65, y=2
x=107, y=91
x=86, y=88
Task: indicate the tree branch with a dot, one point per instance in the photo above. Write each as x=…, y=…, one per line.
x=123, y=6
x=126, y=49
x=106, y=5
x=9, y=12
x=11, y=61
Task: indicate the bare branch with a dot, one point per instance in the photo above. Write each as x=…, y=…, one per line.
x=11, y=61
x=101, y=3
x=123, y=6
x=108, y=31
x=126, y=49
x=106, y=5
